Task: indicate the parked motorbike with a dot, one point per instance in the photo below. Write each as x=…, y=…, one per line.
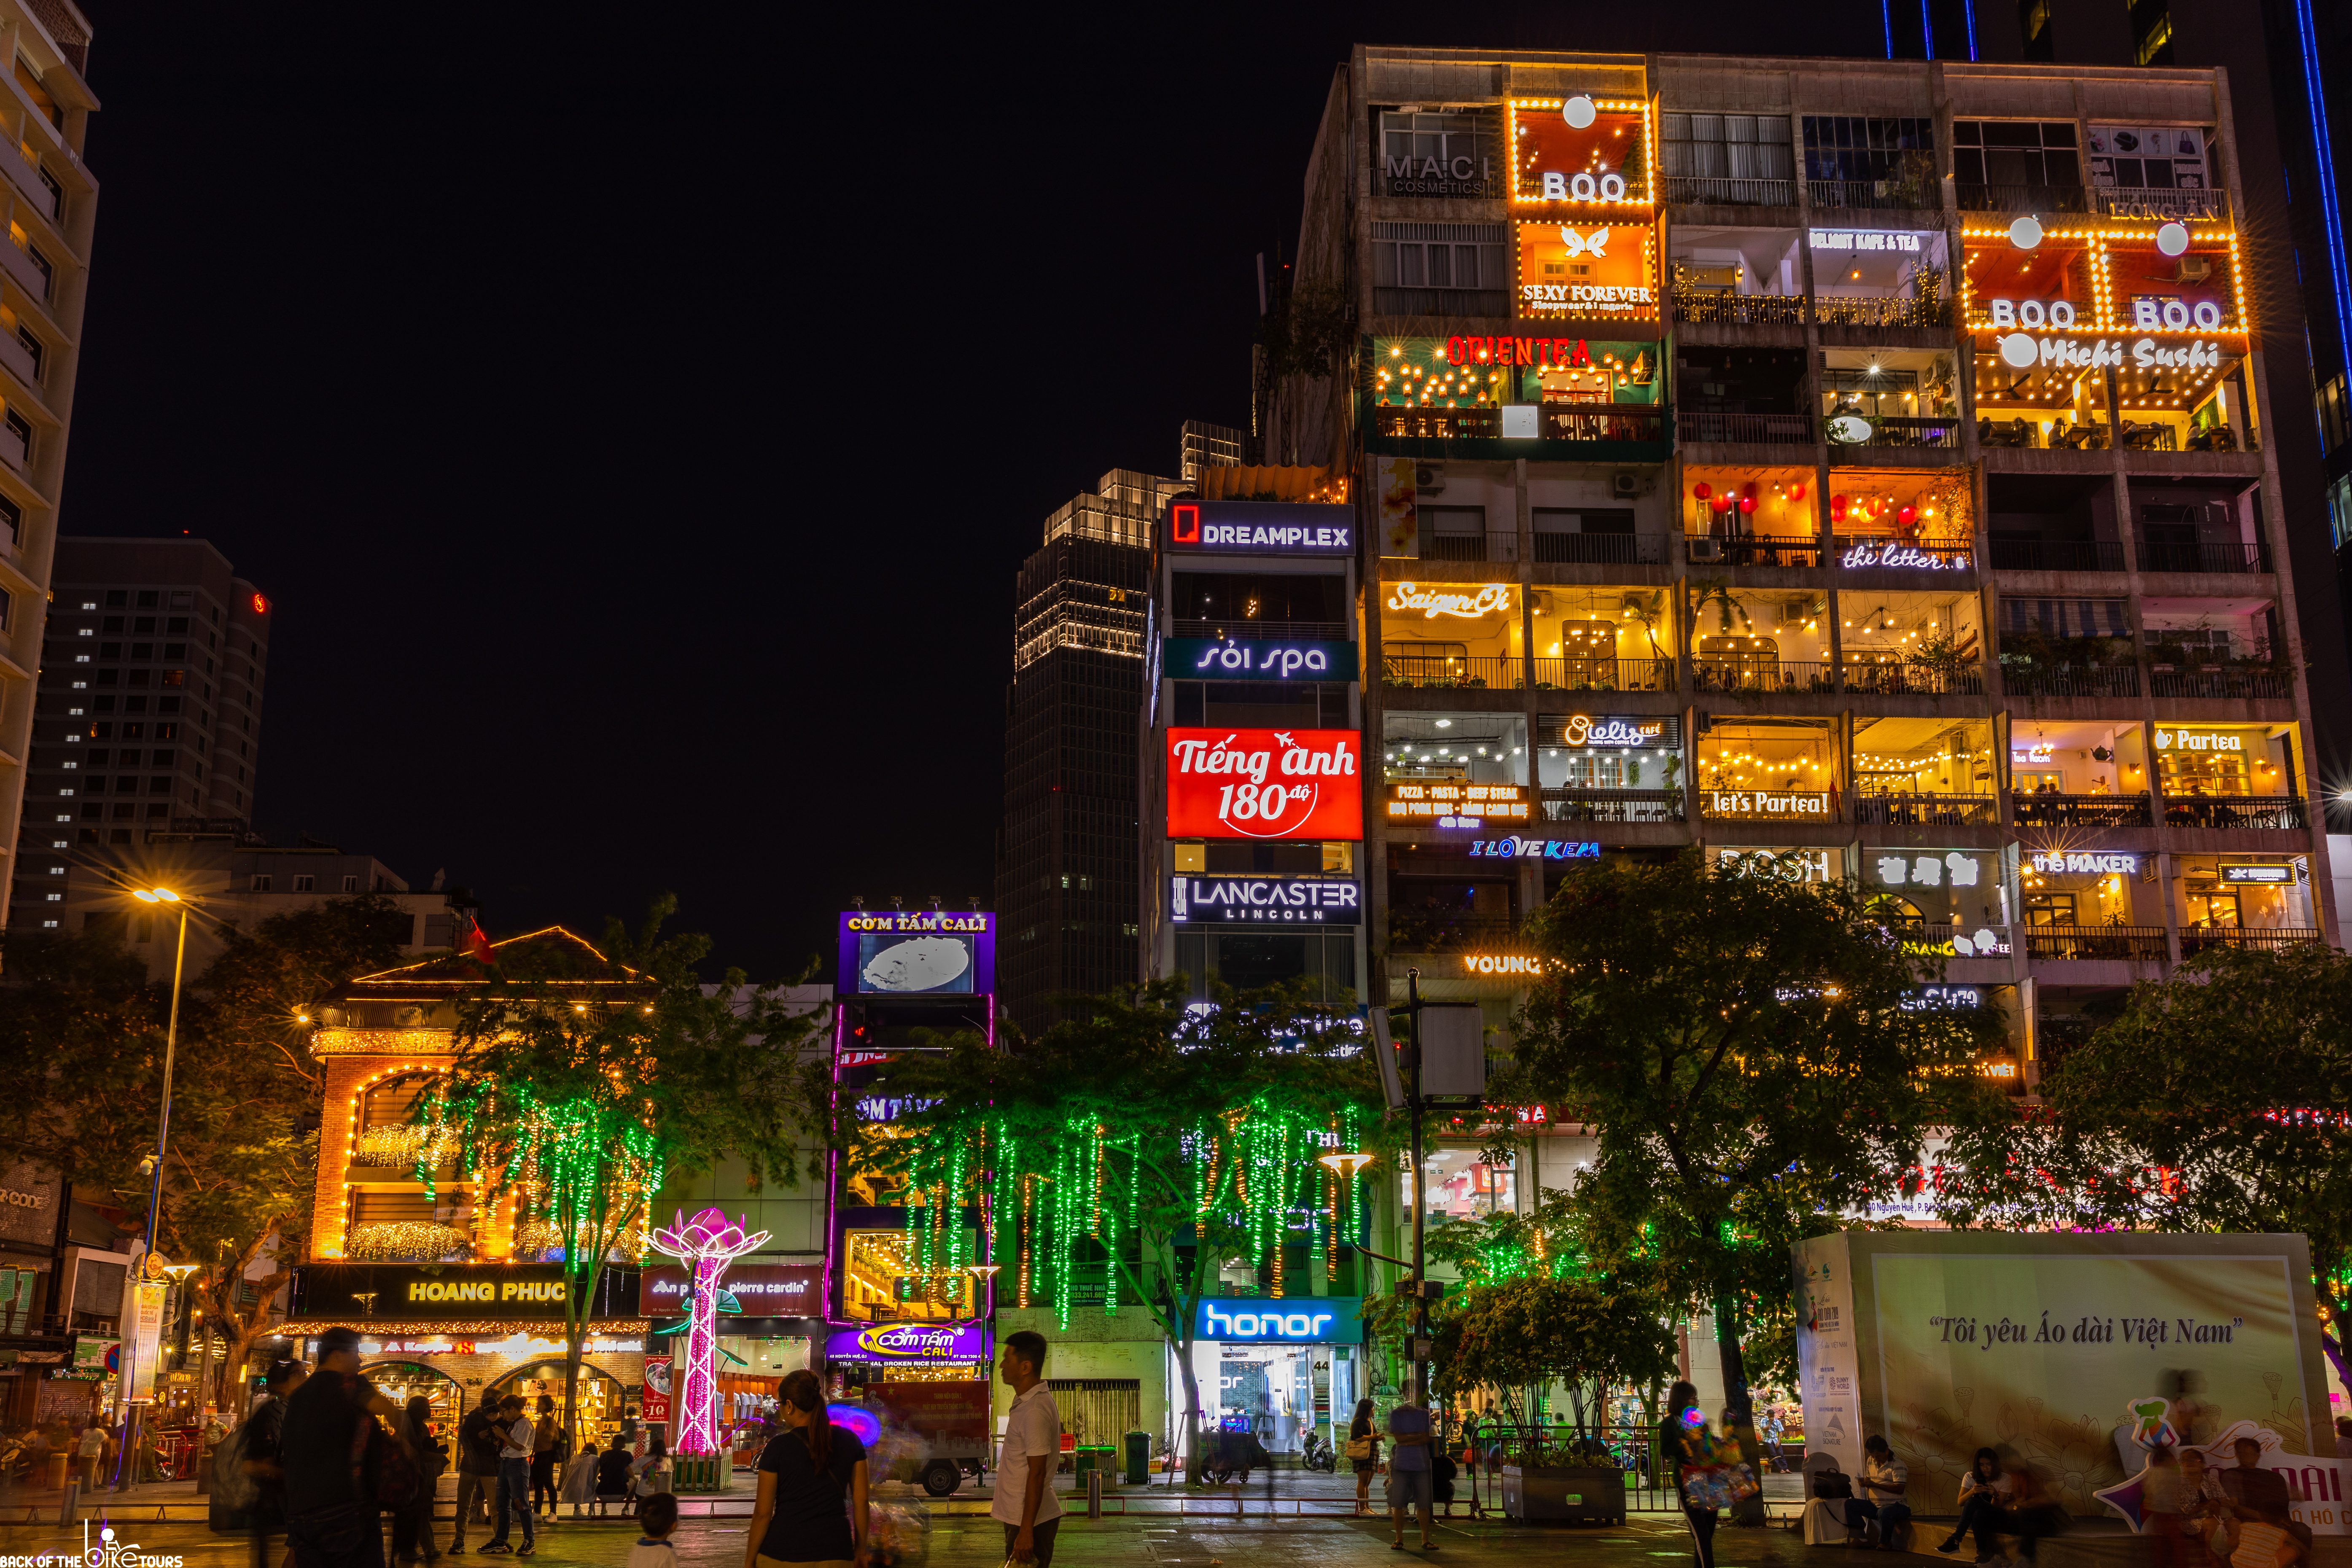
x=1320, y=1454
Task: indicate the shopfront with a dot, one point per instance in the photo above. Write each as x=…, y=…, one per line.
x=2244, y=899
x=1278, y=1367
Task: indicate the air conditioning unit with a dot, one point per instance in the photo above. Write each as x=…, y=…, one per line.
x=2195, y=269
x=1704, y=548
x=1624, y=485
x=1429, y=477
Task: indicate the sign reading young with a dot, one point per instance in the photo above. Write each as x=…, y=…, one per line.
x=1266, y=784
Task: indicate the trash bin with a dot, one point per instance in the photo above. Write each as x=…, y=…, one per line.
x=1139, y=1458
x=1100, y=1456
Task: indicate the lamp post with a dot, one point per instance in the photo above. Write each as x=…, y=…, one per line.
x=163, y=1141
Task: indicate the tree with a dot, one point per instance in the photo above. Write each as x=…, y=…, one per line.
x=2219, y=1100
x=1142, y=1138
x=580, y=1094
x=1756, y=1056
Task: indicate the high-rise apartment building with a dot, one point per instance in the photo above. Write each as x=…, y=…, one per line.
x=49, y=200
x=148, y=720
x=1066, y=858
x=1841, y=469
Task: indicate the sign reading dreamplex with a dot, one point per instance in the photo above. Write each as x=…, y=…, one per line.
x=1267, y=900
x=1262, y=528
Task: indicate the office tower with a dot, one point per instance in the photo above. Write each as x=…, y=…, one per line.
x=149, y=717
x=50, y=201
x=1203, y=445
x=1864, y=469
x=1066, y=859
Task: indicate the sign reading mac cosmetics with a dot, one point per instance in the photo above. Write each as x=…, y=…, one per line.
x=760, y=1289
x=1279, y=1320
x=1266, y=784
x=1262, y=528
x=916, y=952
x=1267, y=900
x=2081, y=863
x=896, y=1344
x=1207, y=658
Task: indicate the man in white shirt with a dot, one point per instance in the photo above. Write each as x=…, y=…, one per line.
x=1885, y=1479
x=514, y=1477
x=1023, y=1501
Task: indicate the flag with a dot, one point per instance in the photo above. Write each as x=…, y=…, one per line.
x=477, y=944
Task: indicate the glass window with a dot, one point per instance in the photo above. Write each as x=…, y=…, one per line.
x=1727, y=146
x=1460, y=1185
x=1871, y=150
x=2015, y=152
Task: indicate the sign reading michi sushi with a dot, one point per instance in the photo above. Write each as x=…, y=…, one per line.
x=1265, y=784
x=915, y=952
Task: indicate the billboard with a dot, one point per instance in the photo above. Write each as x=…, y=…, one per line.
x=1266, y=784
x=900, y=1344
x=1267, y=900
x=2050, y=1343
x=1257, y=1321
x=916, y=952
x=760, y=1289
x=1281, y=659
x=1262, y=528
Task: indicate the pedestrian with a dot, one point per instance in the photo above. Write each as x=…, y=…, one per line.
x=812, y=1501
x=543, y=1455
x=2251, y=1490
x=1023, y=1501
x=1364, y=1452
x=2033, y=1513
x=649, y=1471
x=1885, y=1481
x=580, y=1478
x=652, y=1550
x=478, y=1466
x=613, y=1476
x=1411, y=1478
x=1683, y=1440
x=249, y=1468
x=2343, y=1436
x=412, y=1523
x=516, y=1432
x=330, y=1513
x=1984, y=1493
x=89, y=1453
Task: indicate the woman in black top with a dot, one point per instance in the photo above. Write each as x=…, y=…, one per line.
x=1674, y=1449
x=1361, y=1427
x=808, y=1472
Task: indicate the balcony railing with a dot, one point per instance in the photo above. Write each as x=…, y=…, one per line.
x=1975, y=198
x=1778, y=429
x=1601, y=549
x=1881, y=310
x=1264, y=631
x=1792, y=677
x=1455, y=302
x=31, y=271
x=1707, y=190
x=2226, y=560
x=1910, y=680
x=1926, y=810
x=1751, y=549
x=1419, y=424
x=1604, y=675
x=2150, y=435
x=2264, y=939
x=2168, y=202
x=2278, y=813
x=1469, y=671
x=2049, y=808
x=2221, y=682
x=1915, y=193
x=1613, y=805
x=2131, y=944
x=1905, y=430
x=2058, y=436
x=2073, y=681
x=1454, y=547
x=1721, y=307
x=1443, y=930
x=2057, y=554
x=1603, y=422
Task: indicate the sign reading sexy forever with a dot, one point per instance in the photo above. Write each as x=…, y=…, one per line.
x=1266, y=784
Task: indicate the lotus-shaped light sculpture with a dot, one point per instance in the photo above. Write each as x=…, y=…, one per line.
x=706, y=1244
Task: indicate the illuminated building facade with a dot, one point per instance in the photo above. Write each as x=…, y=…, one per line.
x=1847, y=468
x=50, y=203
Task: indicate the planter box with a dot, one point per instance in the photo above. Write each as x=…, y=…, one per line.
x=1566, y=1494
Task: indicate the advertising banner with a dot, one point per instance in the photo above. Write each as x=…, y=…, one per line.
x=760, y=1289
x=915, y=952
x=657, y=1389
x=146, y=1338
x=1262, y=528
x=1258, y=1321
x=898, y=1344
x=468, y=1292
x=1450, y=803
x=1267, y=900
x=2066, y=1348
x=1284, y=659
x=1266, y=784
x=1399, y=506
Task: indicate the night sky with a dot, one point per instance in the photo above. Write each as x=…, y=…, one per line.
x=638, y=415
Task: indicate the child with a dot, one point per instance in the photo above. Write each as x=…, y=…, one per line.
x=613, y=1476
x=580, y=1478
x=653, y=1549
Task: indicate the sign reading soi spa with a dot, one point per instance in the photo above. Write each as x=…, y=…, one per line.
x=1211, y=659
x=1262, y=528
x=1281, y=1320
x=1266, y=784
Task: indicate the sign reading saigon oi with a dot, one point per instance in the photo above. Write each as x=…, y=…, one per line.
x=1265, y=784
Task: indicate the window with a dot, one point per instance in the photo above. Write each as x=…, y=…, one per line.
x=176, y=651
x=2333, y=427
x=4, y=603
x=41, y=265
x=1456, y=532
x=142, y=625
x=306, y=883
x=2033, y=21
x=1455, y=257
x=12, y=518
x=176, y=626
x=261, y=881
x=350, y=884
x=112, y=625
x=182, y=599
x=2028, y=152
x=32, y=350
x=160, y=759
x=1437, y=154
x=1727, y=146
x=2339, y=511
x=110, y=649
x=115, y=599
x=142, y=649
x=1869, y=161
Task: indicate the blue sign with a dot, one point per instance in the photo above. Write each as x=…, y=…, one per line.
x=1536, y=849
x=1267, y=900
x=1207, y=658
x=1279, y=1321
x=1262, y=528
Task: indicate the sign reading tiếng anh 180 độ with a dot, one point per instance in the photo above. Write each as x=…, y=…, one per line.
x=1262, y=528
x=1266, y=784
x=1265, y=901
x=911, y=953
x=1211, y=659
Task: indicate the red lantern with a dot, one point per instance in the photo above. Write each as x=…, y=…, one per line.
x=1907, y=515
x=1746, y=503
x=1749, y=490
x=1701, y=489
x=1837, y=509
x=1721, y=504
x=1796, y=492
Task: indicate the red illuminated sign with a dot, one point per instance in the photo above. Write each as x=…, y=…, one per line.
x=1186, y=517
x=1265, y=784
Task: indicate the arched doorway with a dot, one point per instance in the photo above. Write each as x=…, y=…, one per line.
x=601, y=1398
x=400, y=1381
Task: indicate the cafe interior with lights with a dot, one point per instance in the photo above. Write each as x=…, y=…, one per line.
x=1920, y=642
x=1893, y=278
x=1929, y=510
x=1776, y=756
x=1737, y=275
x=2242, y=892
x=2089, y=757
x=1927, y=756
x=1590, y=770
x=1455, y=389
x=1759, y=639
x=1734, y=503
x=2088, y=894
x=1454, y=748
x=1464, y=636
x=1906, y=396
x=2211, y=635
x=1603, y=639
x=2196, y=763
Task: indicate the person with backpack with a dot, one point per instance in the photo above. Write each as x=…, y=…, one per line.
x=248, y=1491
x=411, y=1525
x=478, y=1466
x=333, y=1459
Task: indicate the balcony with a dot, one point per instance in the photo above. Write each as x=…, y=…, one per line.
x=1707, y=190
x=1613, y=805
x=1905, y=430
x=27, y=179
x=31, y=276
x=1721, y=307
x=1264, y=631
x=1585, y=423
x=1455, y=547
x=2233, y=560
x=2129, y=944
x=2073, y=681
x=14, y=450
x=2271, y=813
x=1927, y=811
x=1881, y=310
x=2165, y=201
x=2050, y=809
x=1453, y=303
x=19, y=360
x=1762, y=429
x=1471, y=672
x=2052, y=436
x=1602, y=422
x=1601, y=549
x=1785, y=676
x=1912, y=193
x=1910, y=680
x=1604, y=675
x=2056, y=555
x=2036, y=199
x=2262, y=939
x=2223, y=681
x=1444, y=930
x=1751, y=549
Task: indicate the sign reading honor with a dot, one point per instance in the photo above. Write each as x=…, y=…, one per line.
x=1266, y=784
x=1267, y=900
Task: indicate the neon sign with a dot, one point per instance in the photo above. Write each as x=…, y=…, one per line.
x=2021, y=350
x=2199, y=740
x=1288, y=901
x=1462, y=603
x=1263, y=528
x=1247, y=1320
x=2258, y=875
x=2093, y=863
x=1501, y=963
x=1208, y=658
x=1942, y=998
x=1465, y=804
x=1536, y=849
x=1767, y=803
x=1890, y=554
x=1865, y=240
x=1581, y=730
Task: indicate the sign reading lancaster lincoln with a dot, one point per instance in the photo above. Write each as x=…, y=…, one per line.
x=1266, y=784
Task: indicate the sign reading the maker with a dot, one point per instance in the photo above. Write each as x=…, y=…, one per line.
x=1267, y=900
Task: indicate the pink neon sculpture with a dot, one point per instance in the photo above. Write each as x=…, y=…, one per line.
x=706, y=1244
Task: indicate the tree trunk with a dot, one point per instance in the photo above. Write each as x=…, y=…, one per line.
x=1184, y=1349
x=1748, y=1511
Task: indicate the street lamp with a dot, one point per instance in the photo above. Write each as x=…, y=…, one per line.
x=163, y=1124
x=1345, y=1165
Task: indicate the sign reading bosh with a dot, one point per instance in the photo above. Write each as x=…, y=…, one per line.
x=1262, y=528
x=1297, y=1320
